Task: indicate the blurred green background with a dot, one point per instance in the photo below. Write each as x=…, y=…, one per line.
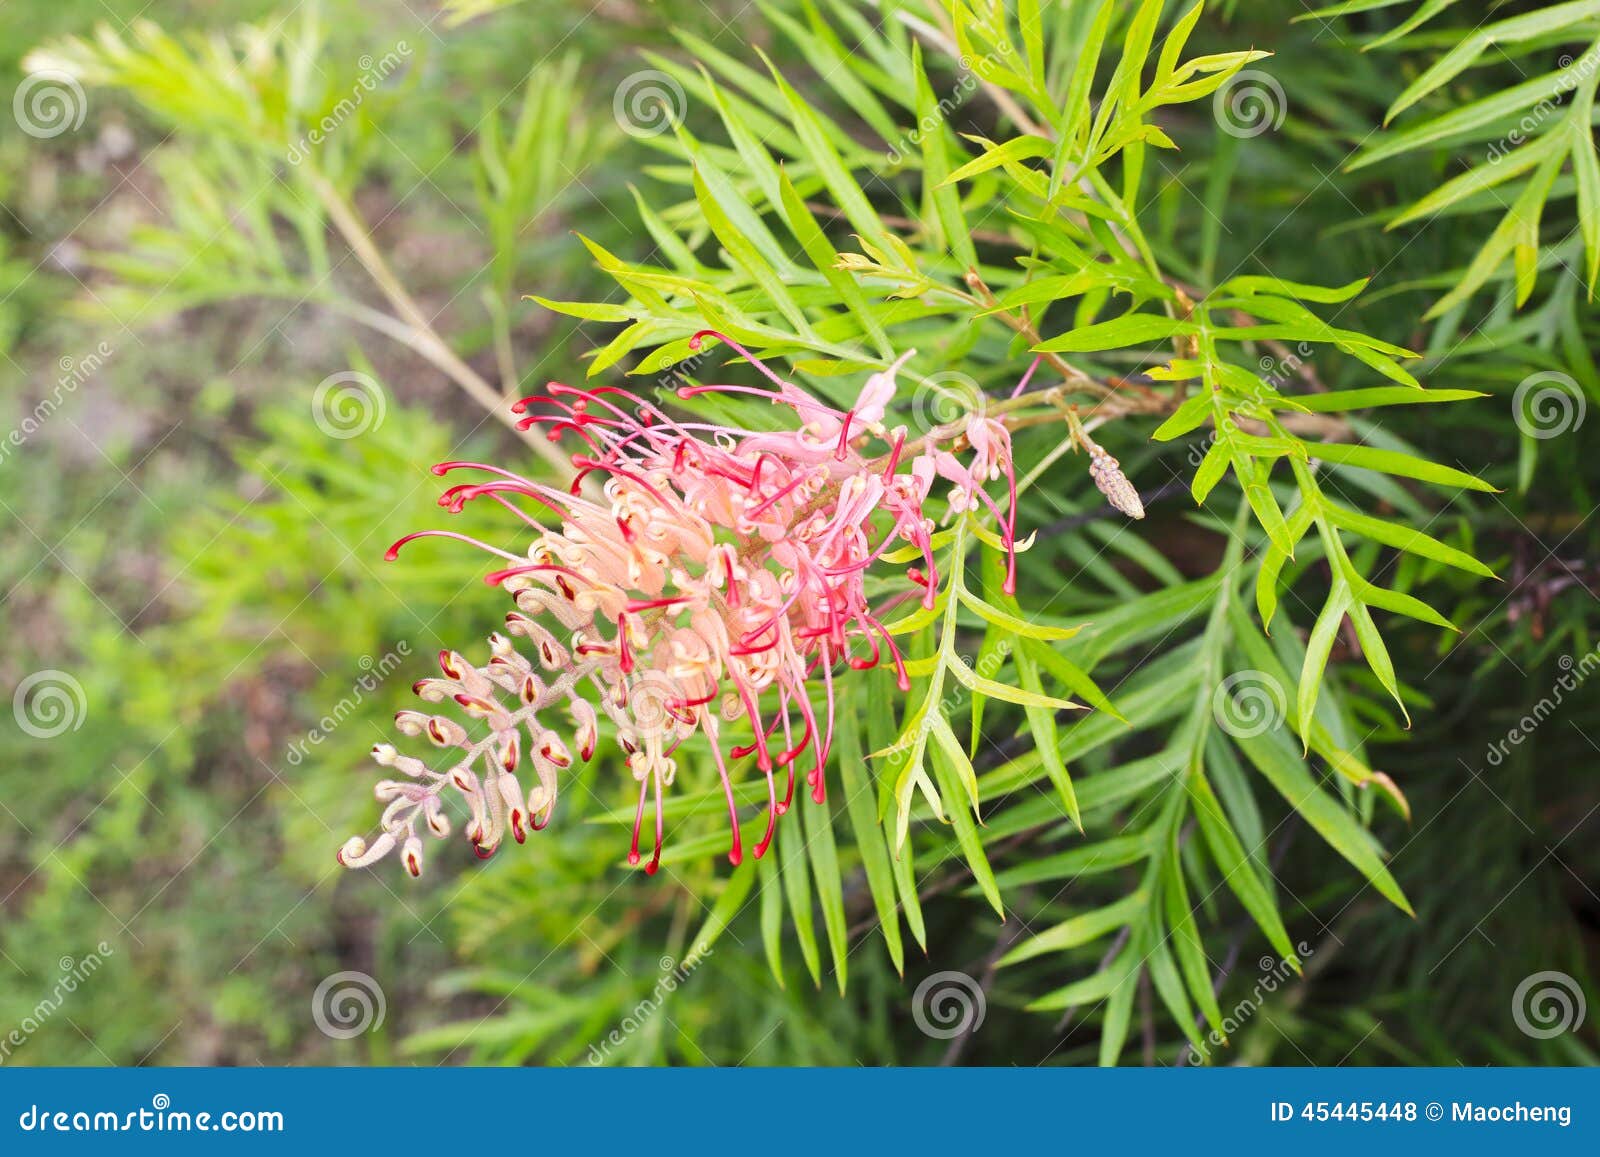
x=186, y=546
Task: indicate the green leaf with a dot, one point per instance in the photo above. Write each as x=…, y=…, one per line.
x=771, y=916
x=846, y=191
x=1275, y=758
x=1515, y=30
x=936, y=167
x=1009, y=622
x=734, y=891
x=996, y=690
x=1238, y=870
x=1394, y=462
x=1130, y=329
x=1186, y=937
x=789, y=846
x=1404, y=538
x=1326, y=295
x=869, y=835
x=1339, y=401
x=1084, y=928
x=1016, y=149
x=956, y=776
x=1319, y=645
x=830, y=885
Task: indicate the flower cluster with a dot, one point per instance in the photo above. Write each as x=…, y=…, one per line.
x=714, y=578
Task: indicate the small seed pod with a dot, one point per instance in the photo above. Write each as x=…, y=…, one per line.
x=1113, y=483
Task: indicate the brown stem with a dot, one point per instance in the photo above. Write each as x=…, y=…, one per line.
x=419, y=333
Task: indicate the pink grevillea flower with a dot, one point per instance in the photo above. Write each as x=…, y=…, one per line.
x=717, y=581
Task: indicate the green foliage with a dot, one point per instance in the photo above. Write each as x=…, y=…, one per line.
x=1093, y=793
x=1061, y=194
x=1524, y=146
